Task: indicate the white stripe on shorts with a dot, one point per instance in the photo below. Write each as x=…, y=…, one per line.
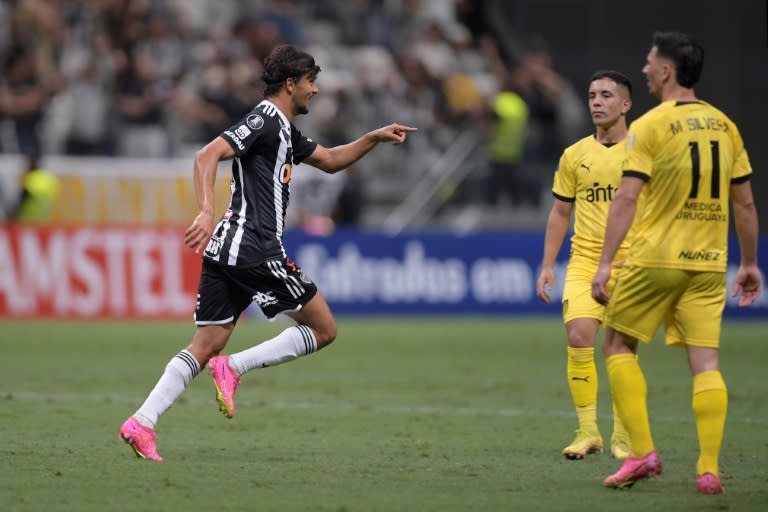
x=293, y=285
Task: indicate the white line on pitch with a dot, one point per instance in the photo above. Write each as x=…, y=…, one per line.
x=348, y=406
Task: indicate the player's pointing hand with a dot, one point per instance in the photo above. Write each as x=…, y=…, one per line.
x=395, y=133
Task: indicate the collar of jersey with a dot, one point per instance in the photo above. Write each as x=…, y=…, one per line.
x=283, y=120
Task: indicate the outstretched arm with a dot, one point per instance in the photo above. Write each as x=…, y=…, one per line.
x=206, y=165
x=748, y=281
x=337, y=158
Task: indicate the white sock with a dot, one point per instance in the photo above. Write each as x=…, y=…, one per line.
x=178, y=374
x=293, y=342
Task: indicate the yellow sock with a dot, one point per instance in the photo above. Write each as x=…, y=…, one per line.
x=629, y=392
x=710, y=405
x=582, y=381
x=618, y=425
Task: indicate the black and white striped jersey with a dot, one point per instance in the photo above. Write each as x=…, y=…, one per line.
x=266, y=147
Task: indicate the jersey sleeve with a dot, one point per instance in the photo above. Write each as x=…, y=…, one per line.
x=564, y=183
x=302, y=146
x=742, y=169
x=638, y=160
x=245, y=133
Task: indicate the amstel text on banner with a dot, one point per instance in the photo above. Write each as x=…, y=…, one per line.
x=92, y=272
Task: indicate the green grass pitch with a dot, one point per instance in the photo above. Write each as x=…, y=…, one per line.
x=424, y=414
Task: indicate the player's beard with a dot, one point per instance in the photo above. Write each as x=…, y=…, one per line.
x=303, y=109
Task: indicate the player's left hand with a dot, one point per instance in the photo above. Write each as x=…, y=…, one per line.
x=599, y=284
x=395, y=133
x=746, y=286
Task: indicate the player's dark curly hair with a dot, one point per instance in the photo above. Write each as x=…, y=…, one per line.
x=686, y=53
x=285, y=62
x=617, y=76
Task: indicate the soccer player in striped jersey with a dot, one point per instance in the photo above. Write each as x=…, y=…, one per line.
x=686, y=161
x=585, y=182
x=243, y=255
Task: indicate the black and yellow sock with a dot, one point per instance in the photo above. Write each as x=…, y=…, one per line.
x=582, y=382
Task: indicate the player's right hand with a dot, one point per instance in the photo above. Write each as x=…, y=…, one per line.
x=600, y=284
x=544, y=284
x=199, y=232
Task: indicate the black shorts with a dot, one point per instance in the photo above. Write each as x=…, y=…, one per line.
x=277, y=286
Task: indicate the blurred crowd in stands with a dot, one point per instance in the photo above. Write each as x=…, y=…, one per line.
x=160, y=78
